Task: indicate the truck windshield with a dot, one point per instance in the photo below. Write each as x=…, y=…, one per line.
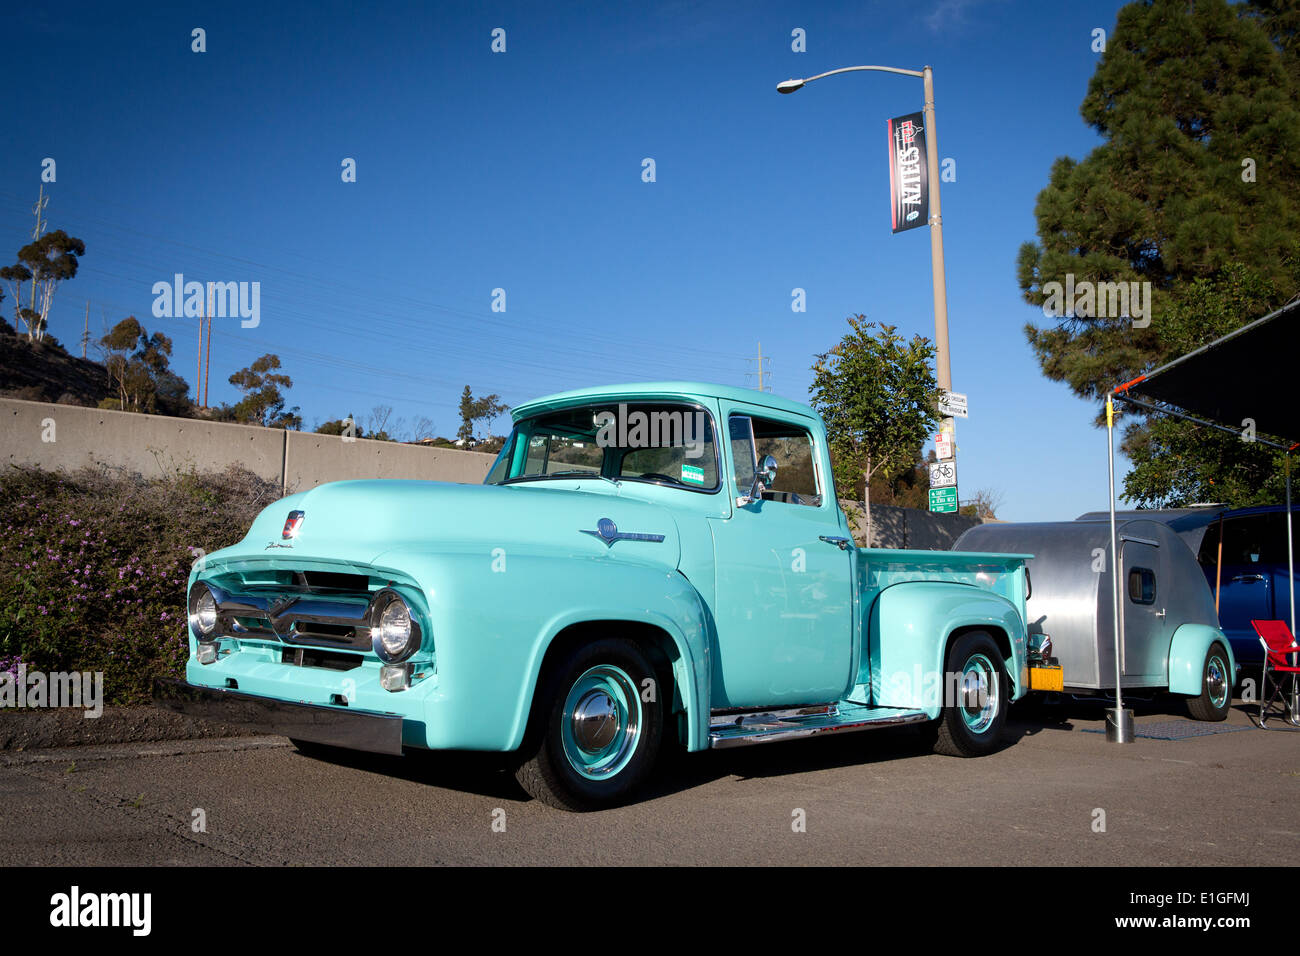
x=657, y=442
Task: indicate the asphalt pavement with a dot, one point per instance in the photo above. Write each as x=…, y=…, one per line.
x=1057, y=794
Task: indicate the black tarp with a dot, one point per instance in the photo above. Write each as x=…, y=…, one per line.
x=1251, y=373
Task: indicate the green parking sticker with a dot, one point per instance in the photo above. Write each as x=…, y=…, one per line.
x=693, y=474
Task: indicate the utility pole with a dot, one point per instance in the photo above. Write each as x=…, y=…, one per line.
x=198, y=369
x=761, y=369
x=207, y=371
x=85, y=334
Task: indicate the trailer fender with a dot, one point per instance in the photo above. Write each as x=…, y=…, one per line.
x=1187, y=657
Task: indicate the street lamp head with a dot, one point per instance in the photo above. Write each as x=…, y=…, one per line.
x=789, y=86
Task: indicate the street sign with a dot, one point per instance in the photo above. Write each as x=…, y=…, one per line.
x=943, y=445
x=943, y=474
x=952, y=404
x=943, y=499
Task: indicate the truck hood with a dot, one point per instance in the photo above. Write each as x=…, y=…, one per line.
x=357, y=521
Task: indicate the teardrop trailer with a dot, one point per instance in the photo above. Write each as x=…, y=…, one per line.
x=1169, y=636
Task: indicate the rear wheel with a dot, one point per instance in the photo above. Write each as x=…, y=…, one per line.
x=971, y=722
x=1216, y=687
x=593, y=737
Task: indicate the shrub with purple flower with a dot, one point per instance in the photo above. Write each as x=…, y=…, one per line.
x=93, y=567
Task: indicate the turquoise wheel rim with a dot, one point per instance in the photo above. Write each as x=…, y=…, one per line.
x=601, y=723
x=1216, y=681
x=980, y=693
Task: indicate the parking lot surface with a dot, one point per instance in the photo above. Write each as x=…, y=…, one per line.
x=1057, y=794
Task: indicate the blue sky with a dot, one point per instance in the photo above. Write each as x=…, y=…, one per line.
x=522, y=171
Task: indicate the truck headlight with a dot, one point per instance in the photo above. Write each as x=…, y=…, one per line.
x=394, y=635
x=202, y=610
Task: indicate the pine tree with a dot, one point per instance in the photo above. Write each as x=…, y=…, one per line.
x=1196, y=190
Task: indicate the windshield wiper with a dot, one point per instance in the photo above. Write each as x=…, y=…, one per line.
x=581, y=474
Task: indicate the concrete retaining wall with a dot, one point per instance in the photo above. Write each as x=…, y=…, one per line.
x=67, y=437
x=315, y=459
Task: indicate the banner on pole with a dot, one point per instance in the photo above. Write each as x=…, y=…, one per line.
x=909, y=179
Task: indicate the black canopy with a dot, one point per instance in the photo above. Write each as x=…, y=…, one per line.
x=1250, y=373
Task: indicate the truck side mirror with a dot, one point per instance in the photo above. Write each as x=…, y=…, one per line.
x=764, y=479
x=744, y=457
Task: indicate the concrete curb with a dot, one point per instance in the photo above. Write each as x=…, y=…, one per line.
x=68, y=727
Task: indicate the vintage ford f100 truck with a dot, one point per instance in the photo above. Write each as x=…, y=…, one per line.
x=644, y=566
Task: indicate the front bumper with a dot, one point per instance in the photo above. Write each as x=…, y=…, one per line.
x=335, y=726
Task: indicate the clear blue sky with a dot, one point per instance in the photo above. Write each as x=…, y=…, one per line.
x=522, y=171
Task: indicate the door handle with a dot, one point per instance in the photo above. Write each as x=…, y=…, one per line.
x=1160, y=613
x=841, y=543
x=1249, y=577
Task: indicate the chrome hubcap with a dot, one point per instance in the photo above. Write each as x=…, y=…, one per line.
x=601, y=722
x=1215, y=682
x=979, y=693
x=595, y=721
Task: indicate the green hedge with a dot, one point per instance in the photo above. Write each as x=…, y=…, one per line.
x=93, y=567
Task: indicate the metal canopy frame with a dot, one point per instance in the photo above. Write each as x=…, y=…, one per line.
x=1164, y=408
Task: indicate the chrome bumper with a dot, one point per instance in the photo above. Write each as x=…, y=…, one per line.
x=336, y=726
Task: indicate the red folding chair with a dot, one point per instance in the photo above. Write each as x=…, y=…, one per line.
x=1278, y=643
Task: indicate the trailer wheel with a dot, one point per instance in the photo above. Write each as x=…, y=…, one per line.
x=592, y=738
x=1216, y=687
x=975, y=698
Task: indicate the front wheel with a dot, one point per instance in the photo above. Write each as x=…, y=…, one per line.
x=975, y=698
x=1216, y=687
x=595, y=729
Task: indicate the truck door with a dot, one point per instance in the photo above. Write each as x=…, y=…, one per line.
x=784, y=607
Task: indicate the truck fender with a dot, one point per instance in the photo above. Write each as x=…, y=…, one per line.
x=490, y=633
x=907, y=628
x=621, y=594
x=1187, y=650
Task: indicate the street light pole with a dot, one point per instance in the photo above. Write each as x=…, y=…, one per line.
x=943, y=368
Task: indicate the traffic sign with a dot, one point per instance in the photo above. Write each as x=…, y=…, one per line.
x=943, y=499
x=952, y=404
x=943, y=474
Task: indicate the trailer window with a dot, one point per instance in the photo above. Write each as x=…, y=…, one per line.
x=1142, y=586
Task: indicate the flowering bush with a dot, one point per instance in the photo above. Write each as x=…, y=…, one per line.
x=93, y=567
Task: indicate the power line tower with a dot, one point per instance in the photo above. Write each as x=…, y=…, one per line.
x=764, y=372
x=38, y=210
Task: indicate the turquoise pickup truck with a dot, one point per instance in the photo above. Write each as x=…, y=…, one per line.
x=644, y=566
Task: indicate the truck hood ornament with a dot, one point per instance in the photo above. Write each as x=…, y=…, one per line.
x=608, y=532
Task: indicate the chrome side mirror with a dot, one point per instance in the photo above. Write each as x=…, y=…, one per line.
x=764, y=479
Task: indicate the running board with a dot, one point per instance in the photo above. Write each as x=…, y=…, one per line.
x=761, y=727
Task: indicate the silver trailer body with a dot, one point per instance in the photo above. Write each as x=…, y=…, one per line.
x=1161, y=588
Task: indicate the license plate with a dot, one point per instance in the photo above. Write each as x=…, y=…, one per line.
x=1046, y=678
